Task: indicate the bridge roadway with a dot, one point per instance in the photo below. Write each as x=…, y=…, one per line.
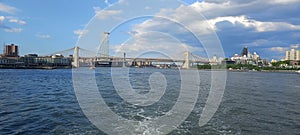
x=120, y=59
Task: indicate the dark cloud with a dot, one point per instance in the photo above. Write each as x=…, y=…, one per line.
x=264, y=26
x=235, y=36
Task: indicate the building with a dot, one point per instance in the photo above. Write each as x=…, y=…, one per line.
x=11, y=51
x=247, y=57
x=11, y=59
x=33, y=60
x=273, y=61
x=256, y=56
x=293, y=54
x=245, y=52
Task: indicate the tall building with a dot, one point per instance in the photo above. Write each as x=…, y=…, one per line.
x=293, y=54
x=256, y=56
x=245, y=52
x=247, y=57
x=11, y=51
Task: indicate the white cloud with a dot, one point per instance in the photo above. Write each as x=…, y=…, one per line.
x=147, y=8
x=220, y=8
x=153, y=41
x=7, y=8
x=284, y=49
x=106, y=2
x=244, y=16
x=2, y=18
x=168, y=32
x=278, y=49
x=104, y=14
x=14, y=30
x=259, y=26
x=207, y=6
x=295, y=46
x=80, y=32
x=177, y=21
x=13, y=20
x=43, y=36
x=284, y=1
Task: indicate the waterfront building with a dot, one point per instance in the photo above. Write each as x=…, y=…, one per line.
x=295, y=64
x=293, y=54
x=247, y=57
x=256, y=56
x=11, y=59
x=273, y=61
x=215, y=60
x=11, y=51
x=55, y=60
x=35, y=61
x=245, y=52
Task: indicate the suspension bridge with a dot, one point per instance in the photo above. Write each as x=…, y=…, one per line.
x=83, y=57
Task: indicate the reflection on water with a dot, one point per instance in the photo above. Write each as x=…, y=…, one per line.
x=43, y=102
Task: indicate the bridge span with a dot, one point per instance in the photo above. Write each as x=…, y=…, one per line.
x=84, y=57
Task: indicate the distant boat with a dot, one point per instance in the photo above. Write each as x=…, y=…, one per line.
x=103, y=63
x=298, y=71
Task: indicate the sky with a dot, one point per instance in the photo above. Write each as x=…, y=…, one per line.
x=167, y=27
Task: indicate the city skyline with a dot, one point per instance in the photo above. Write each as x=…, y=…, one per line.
x=267, y=27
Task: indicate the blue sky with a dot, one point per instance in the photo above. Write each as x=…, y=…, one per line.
x=268, y=27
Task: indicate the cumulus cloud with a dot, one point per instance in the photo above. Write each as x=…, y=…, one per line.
x=213, y=9
x=11, y=20
x=259, y=26
x=295, y=46
x=279, y=49
x=2, y=18
x=220, y=8
x=284, y=1
x=159, y=35
x=14, y=20
x=80, y=32
x=13, y=30
x=7, y=9
x=284, y=49
x=237, y=11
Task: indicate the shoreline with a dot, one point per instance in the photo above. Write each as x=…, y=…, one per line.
x=69, y=67
x=270, y=71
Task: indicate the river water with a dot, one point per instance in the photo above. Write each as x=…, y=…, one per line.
x=44, y=102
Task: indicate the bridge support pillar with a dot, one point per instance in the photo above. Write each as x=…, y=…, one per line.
x=124, y=61
x=187, y=62
x=76, y=57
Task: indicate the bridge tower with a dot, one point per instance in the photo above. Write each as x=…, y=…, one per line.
x=76, y=57
x=187, y=61
x=124, y=61
x=103, y=51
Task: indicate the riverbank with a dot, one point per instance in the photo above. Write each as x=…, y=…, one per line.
x=35, y=67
